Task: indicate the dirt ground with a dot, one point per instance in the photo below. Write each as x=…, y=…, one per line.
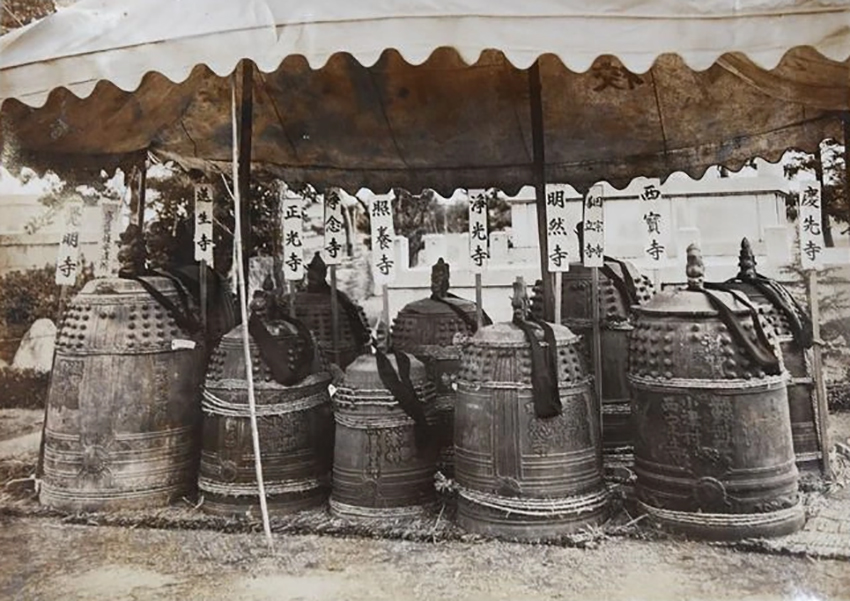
x=47, y=560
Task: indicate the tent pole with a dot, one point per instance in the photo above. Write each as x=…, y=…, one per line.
x=846, y=121
x=243, y=307
x=538, y=147
x=246, y=118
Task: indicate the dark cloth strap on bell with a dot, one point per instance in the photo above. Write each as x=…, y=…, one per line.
x=182, y=317
x=276, y=356
x=467, y=319
x=624, y=280
x=402, y=389
x=352, y=313
x=798, y=318
x=760, y=350
x=544, y=368
x=222, y=315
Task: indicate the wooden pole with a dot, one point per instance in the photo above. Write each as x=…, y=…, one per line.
x=596, y=344
x=334, y=316
x=846, y=121
x=293, y=290
x=243, y=307
x=817, y=375
x=385, y=293
x=479, y=295
x=558, y=296
x=246, y=118
x=204, y=292
x=539, y=154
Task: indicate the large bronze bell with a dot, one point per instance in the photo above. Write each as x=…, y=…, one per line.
x=528, y=460
x=294, y=418
x=427, y=328
x=714, y=456
x=793, y=329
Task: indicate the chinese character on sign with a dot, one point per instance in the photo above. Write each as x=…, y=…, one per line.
x=292, y=211
x=650, y=192
x=652, y=222
x=333, y=225
x=479, y=232
x=595, y=225
x=333, y=247
x=204, y=242
x=204, y=218
x=655, y=250
x=593, y=250
x=332, y=201
x=556, y=198
x=556, y=226
x=293, y=239
x=613, y=75
x=75, y=215
x=203, y=193
x=71, y=239
x=479, y=255
x=593, y=201
x=381, y=208
x=810, y=197
x=385, y=264
x=384, y=240
x=67, y=267
x=478, y=204
x=811, y=226
x=812, y=250
x=294, y=262
x=558, y=255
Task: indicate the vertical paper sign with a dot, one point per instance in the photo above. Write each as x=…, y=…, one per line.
x=107, y=265
x=204, y=223
x=593, y=226
x=652, y=221
x=334, y=227
x=68, y=260
x=293, y=235
x=809, y=223
x=479, y=239
x=557, y=229
x=383, y=236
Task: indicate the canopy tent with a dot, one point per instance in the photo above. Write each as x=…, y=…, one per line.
x=383, y=94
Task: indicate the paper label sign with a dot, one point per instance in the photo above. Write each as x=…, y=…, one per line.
x=68, y=259
x=557, y=227
x=593, y=226
x=479, y=237
x=107, y=264
x=809, y=223
x=334, y=228
x=293, y=235
x=182, y=345
x=204, y=223
x=654, y=226
x=383, y=237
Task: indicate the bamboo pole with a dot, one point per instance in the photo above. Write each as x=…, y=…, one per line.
x=479, y=295
x=558, y=296
x=243, y=307
x=817, y=375
x=385, y=293
x=334, y=316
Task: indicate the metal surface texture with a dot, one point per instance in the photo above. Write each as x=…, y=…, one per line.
x=521, y=477
x=123, y=408
x=295, y=432
x=426, y=329
x=801, y=388
x=378, y=470
x=615, y=310
x=713, y=449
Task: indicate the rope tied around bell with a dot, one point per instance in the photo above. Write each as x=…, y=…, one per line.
x=798, y=319
x=759, y=350
x=440, y=272
x=544, y=364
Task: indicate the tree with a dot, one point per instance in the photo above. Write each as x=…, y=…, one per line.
x=829, y=168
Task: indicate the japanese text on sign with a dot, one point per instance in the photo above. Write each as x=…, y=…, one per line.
x=107, y=264
x=557, y=228
x=479, y=239
x=594, y=228
x=204, y=224
x=68, y=260
x=383, y=240
x=334, y=228
x=653, y=223
x=809, y=223
x=293, y=235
